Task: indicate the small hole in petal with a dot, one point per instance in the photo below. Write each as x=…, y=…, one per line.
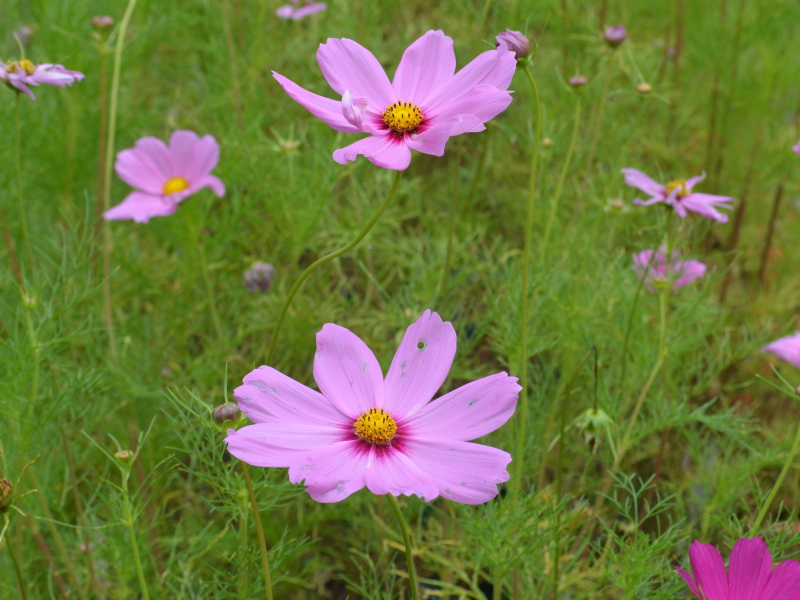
x=421, y=345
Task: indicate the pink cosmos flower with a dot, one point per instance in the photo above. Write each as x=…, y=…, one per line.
x=750, y=575
x=22, y=74
x=678, y=194
x=673, y=273
x=297, y=11
x=165, y=175
x=425, y=104
x=385, y=434
x=786, y=348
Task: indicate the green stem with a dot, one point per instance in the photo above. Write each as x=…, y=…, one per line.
x=526, y=259
x=478, y=174
x=451, y=233
x=598, y=122
x=206, y=275
x=112, y=131
x=786, y=466
x=259, y=532
x=629, y=325
x=243, y=549
x=313, y=267
x=132, y=532
x=18, y=160
x=36, y=352
x=23, y=592
x=412, y=572
x=562, y=177
x=662, y=343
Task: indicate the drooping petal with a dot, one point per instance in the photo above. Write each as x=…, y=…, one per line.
x=484, y=102
x=207, y=181
x=693, y=181
x=392, y=472
x=382, y=150
x=308, y=9
x=687, y=271
x=709, y=571
x=280, y=445
x=348, y=65
x=333, y=473
x=21, y=86
x=347, y=372
x=786, y=348
x=748, y=569
x=353, y=107
x=637, y=179
x=640, y=202
x=137, y=169
x=432, y=141
x=691, y=583
x=325, y=109
x=420, y=365
x=426, y=64
x=269, y=396
x=469, y=412
x=784, y=582
x=706, y=205
x=141, y=207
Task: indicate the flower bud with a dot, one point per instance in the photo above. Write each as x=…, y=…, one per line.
x=797, y=390
x=547, y=143
x=6, y=492
x=644, y=88
x=615, y=35
x=578, y=81
x=124, y=455
x=102, y=22
x=594, y=423
x=258, y=278
x=228, y=412
x=514, y=41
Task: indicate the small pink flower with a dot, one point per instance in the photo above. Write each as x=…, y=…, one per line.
x=165, y=175
x=678, y=194
x=297, y=11
x=749, y=576
x=796, y=148
x=615, y=35
x=426, y=104
x=383, y=434
x=659, y=271
x=787, y=348
x=22, y=74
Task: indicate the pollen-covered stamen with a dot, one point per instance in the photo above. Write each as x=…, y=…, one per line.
x=23, y=65
x=375, y=426
x=677, y=184
x=402, y=116
x=174, y=185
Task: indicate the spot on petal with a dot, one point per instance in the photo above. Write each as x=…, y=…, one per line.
x=421, y=345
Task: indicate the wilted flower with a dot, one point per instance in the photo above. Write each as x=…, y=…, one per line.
x=615, y=35
x=678, y=194
x=750, y=574
x=787, y=348
x=660, y=273
x=514, y=41
x=102, y=22
x=386, y=435
x=644, y=88
x=165, y=175
x=6, y=493
x=258, y=278
x=297, y=10
x=21, y=74
x=425, y=104
x=578, y=81
x=226, y=413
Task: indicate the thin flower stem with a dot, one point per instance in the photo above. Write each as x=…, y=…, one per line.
x=101, y=145
x=478, y=174
x=662, y=343
x=109, y=160
x=598, y=120
x=259, y=532
x=243, y=548
x=484, y=14
x=786, y=466
x=206, y=275
x=451, y=233
x=562, y=177
x=329, y=257
x=412, y=572
x=129, y=522
x=237, y=100
x=526, y=260
x=18, y=162
x=23, y=592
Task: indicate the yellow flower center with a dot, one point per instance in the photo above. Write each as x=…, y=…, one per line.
x=25, y=65
x=402, y=116
x=677, y=184
x=376, y=426
x=176, y=184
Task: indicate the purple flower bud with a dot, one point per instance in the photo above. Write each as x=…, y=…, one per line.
x=258, y=278
x=578, y=81
x=228, y=412
x=102, y=22
x=515, y=41
x=615, y=35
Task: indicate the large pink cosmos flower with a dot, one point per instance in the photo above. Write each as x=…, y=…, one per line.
x=786, y=348
x=386, y=435
x=425, y=105
x=678, y=194
x=750, y=575
x=673, y=273
x=165, y=175
x=297, y=11
x=22, y=74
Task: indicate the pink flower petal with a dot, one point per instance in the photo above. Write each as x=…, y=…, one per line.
x=347, y=65
x=420, y=365
x=687, y=271
x=693, y=181
x=394, y=473
x=748, y=569
x=325, y=109
x=432, y=141
x=285, y=12
x=704, y=205
x=155, y=153
x=709, y=571
x=347, y=372
x=637, y=179
x=484, y=102
x=280, y=444
x=466, y=124
x=141, y=207
x=784, y=582
x=308, y=9
x=796, y=148
x=469, y=412
x=137, y=169
x=207, y=181
x=786, y=348
x=690, y=582
x=425, y=65
x=269, y=396
x=333, y=473
x=353, y=108
x=382, y=150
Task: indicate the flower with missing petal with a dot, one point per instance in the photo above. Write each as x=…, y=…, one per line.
x=22, y=74
x=679, y=195
x=383, y=434
x=425, y=104
x=165, y=175
x=786, y=348
x=297, y=10
x=669, y=274
x=749, y=575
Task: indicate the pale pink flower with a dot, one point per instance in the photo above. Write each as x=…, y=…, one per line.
x=678, y=194
x=22, y=74
x=796, y=148
x=165, y=175
x=787, y=348
x=383, y=434
x=615, y=35
x=750, y=575
x=672, y=273
x=425, y=105
x=297, y=10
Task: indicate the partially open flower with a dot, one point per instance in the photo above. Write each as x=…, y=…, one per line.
x=22, y=74
x=6, y=493
x=515, y=41
x=615, y=35
x=258, y=278
x=578, y=81
x=227, y=413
